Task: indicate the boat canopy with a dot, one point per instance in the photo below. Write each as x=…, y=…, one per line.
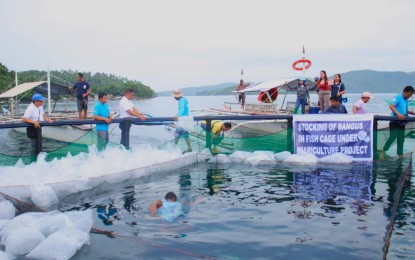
x=21, y=88
x=39, y=87
x=287, y=85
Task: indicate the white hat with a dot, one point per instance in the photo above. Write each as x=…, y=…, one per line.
x=367, y=94
x=177, y=93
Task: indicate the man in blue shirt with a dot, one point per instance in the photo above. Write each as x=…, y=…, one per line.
x=336, y=107
x=183, y=110
x=399, y=108
x=102, y=113
x=82, y=91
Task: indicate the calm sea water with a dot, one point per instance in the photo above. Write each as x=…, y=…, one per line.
x=251, y=212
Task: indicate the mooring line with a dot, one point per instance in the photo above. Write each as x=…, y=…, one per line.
x=110, y=234
x=396, y=202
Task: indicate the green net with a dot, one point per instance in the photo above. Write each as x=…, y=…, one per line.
x=16, y=146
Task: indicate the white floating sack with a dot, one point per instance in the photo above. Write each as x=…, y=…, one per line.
x=23, y=240
x=3, y=223
x=282, y=156
x=7, y=210
x=24, y=220
x=81, y=220
x=5, y=256
x=60, y=245
x=43, y=196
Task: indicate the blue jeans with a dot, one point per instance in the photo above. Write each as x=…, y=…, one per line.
x=302, y=102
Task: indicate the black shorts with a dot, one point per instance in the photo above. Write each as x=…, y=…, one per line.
x=82, y=104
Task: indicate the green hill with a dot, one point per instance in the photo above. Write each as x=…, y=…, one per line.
x=100, y=82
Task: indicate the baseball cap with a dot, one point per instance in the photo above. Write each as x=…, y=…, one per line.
x=37, y=97
x=367, y=94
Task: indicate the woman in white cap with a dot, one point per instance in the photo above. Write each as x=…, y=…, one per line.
x=359, y=107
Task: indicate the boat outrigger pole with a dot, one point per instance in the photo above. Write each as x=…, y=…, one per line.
x=49, y=96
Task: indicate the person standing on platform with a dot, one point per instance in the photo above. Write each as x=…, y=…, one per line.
x=128, y=110
x=102, y=113
x=183, y=110
x=359, y=107
x=83, y=89
x=241, y=95
x=303, y=96
x=324, y=90
x=35, y=114
x=338, y=89
x=399, y=108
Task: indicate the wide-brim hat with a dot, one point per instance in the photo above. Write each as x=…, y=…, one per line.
x=177, y=93
x=367, y=94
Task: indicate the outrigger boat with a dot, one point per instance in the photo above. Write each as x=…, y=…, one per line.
x=82, y=134
x=267, y=105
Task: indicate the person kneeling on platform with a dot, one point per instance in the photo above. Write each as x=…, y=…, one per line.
x=217, y=129
x=336, y=107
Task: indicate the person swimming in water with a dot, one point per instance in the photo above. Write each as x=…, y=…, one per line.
x=169, y=208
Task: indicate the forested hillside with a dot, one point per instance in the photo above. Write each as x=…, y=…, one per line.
x=109, y=83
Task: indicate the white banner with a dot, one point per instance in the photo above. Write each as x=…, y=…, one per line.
x=326, y=134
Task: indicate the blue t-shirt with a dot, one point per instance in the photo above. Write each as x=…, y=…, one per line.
x=401, y=104
x=81, y=88
x=336, y=88
x=183, y=108
x=101, y=110
x=170, y=210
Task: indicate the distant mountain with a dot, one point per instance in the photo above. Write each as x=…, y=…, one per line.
x=355, y=81
x=203, y=90
x=377, y=81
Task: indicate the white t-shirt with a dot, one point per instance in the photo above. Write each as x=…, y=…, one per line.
x=360, y=107
x=125, y=105
x=34, y=113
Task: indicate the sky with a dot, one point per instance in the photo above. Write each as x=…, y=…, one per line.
x=169, y=44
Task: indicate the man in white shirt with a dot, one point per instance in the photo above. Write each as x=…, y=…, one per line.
x=35, y=114
x=128, y=110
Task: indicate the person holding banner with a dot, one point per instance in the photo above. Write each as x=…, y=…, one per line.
x=399, y=108
x=359, y=107
x=336, y=107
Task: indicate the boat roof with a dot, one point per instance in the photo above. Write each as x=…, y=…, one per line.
x=288, y=85
x=39, y=87
x=21, y=88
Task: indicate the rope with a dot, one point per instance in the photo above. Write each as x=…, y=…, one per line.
x=396, y=199
x=25, y=206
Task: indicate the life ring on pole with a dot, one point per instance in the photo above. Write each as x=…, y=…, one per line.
x=307, y=66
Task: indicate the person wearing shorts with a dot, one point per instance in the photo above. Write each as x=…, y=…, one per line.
x=83, y=89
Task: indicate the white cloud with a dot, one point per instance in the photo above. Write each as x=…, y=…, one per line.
x=171, y=44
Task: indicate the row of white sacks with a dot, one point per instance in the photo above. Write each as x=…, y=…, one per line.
x=85, y=171
x=43, y=183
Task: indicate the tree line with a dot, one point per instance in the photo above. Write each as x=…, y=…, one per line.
x=100, y=82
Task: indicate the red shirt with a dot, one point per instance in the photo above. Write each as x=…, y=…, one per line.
x=323, y=86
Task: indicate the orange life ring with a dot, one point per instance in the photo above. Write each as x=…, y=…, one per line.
x=302, y=61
